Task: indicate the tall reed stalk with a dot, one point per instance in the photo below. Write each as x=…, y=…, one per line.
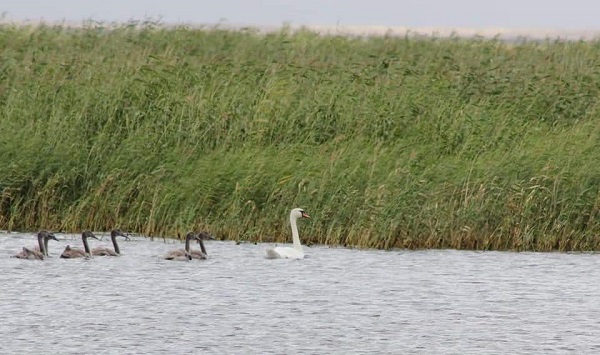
x=388, y=142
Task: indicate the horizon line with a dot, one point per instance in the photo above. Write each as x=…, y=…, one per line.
x=349, y=30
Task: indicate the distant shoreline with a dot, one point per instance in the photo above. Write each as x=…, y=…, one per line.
x=397, y=31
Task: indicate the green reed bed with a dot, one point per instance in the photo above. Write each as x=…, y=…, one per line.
x=387, y=142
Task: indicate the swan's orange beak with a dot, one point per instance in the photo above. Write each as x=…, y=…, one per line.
x=305, y=215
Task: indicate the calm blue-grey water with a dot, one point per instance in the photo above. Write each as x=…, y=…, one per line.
x=336, y=301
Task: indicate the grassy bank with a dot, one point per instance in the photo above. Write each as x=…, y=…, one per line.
x=387, y=142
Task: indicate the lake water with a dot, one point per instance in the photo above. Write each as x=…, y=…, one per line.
x=336, y=301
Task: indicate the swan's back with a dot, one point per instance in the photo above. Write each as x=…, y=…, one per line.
x=29, y=254
x=70, y=253
x=178, y=255
x=103, y=251
x=284, y=253
x=22, y=254
x=197, y=254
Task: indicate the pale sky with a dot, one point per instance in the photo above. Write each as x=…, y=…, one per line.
x=511, y=14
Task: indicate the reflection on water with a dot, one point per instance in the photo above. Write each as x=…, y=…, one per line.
x=335, y=301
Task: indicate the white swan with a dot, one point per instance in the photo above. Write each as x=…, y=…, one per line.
x=296, y=251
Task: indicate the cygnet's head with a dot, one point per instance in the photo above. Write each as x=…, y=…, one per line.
x=88, y=234
x=191, y=236
x=205, y=236
x=118, y=233
x=47, y=235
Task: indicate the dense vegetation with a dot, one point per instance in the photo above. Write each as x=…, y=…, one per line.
x=387, y=142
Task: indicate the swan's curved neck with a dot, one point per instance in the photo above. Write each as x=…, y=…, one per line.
x=187, y=244
x=202, y=247
x=86, y=246
x=295, y=235
x=46, y=246
x=115, y=244
x=41, y=244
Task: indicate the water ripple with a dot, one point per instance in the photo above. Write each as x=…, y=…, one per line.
x=335, y=301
